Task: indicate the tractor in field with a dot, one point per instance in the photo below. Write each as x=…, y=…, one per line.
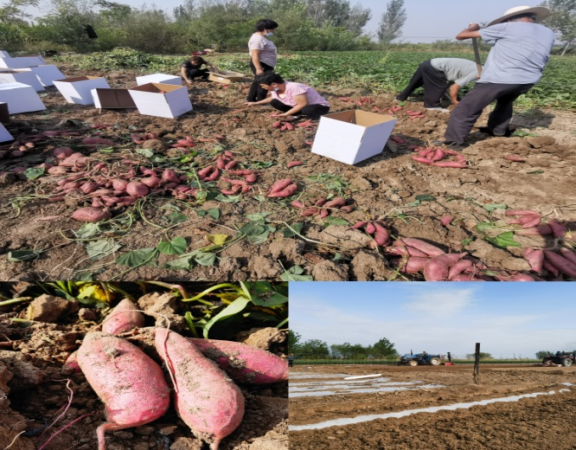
x=562, y=358
x=420, y=359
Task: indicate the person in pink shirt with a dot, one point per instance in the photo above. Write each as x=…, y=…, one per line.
x=292, y=99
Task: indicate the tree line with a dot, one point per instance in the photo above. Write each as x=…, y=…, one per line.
x=195, y=24
x=318, y=349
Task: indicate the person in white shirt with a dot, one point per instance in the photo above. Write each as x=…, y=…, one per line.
x=263, y=56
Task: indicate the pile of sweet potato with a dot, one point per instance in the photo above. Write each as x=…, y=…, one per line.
x=201, y=372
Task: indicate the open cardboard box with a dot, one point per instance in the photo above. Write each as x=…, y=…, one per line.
x=21, y=76
x=4, y=116
x=5, y=134
x=20, y=97
x=46, y=74
x=159, y=78
x=352, y=136
x=112, y=99
x=226, y=77
x=77, y=90
x=161, y=100
x=21, y=62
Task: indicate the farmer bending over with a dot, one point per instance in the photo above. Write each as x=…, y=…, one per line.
x=292, y=99
x=521, y=50
x=193, y=69
x=435, y=75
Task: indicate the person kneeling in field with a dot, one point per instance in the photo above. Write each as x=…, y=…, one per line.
x=435, y=75
x=521, y=50
x=292, y=99
x=193, y=69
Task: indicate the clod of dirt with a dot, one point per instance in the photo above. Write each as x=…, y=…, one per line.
x=361, y=183
x=8, y=178
x=48, y=308
x=163, y=308
x=26, y=375
x=264, y=267
x=369, y=266
x=289, y=248
x=541, y=141
x=231, y=269
x=496, y=257
x=184, y=443
x=261, y=338
x=329, y=271
x=87, y=315
x=154, y=144
x=345, y=238
x=11, y=423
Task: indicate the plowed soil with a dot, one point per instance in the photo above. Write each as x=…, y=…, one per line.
x=534, y=423
x=384, y=187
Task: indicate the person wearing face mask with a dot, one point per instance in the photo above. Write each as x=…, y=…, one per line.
x=263, y=55
x=292, y=99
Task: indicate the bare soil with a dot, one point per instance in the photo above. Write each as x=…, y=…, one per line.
x=33, y=393
x=384, y=187
x=534, y=423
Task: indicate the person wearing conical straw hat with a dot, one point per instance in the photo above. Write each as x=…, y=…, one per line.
x=521, y=49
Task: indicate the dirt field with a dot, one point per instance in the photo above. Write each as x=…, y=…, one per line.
x=535, y=423
x=384, y=187
x=34, y=392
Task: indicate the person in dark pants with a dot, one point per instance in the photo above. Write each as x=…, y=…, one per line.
x=193, y=69
x=521, y=50
x=292, y=99
x=435, y=75
x=290, y=360
x=263, y=56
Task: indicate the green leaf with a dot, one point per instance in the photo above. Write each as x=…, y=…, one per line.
x=481, y=227
x=425, y=198
x=176, y=246
x=416, y=203
x=107, y=150
x=204, y=258
x=87, y=230
x=258, y=216
x=228, y=199
x=295, y=274
x=232, y=309
x=504, y=240
x=467, y=241
x=260, y=316
x=275, y=299
x=34, y=172
x=536, y=172
x=101, y=248
x=297, y=227
x=184, y=263
x=146, y=152
x=212, y=212
x=23, y=255
x=335, y=221
x=136, y=258
x=175, y=218
x=261, y=164
x=256, y=233
x=494, y=206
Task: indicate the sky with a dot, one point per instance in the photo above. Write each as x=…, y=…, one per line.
x=427, y=20
x=508, y=319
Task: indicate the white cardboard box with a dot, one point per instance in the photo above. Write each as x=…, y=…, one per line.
x=161, y=100
x=77, y=90
x=4, y=54
x=159, y=78
x=4, y=134
x=20, y=98
x=46, y=74
x=352, y=136
x=21, y=76
x=112, y=99
x=21, y=62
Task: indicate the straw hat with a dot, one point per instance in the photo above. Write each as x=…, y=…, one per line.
x=539, y=11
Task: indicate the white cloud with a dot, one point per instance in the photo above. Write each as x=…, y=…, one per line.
x=441, y=302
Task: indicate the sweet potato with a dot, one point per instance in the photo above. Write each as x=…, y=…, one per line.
x=336, y=203
x=558, y=230
x=151, y=182
x=277, y=124
x=124, y=317
x=458, y=268
x=535, y=258
x=429, y=249
x=564, y=265
x=520, y=212
x=62, y=152
x=57, y=170
x=515, y=158
x=221, y=164
x=297, y=204
x=438, y=267
x=71, y=364
x=438, y=155
x=244, y=363
x=280, y=184
x=293, y=164
x=137, y=189
x=129, y=383
x=446, y=219
x=90, y=214
x=230, y=165
x=422, y=159
x=539, y=230
x=415, y=265
x=568, y=254
x=451, y=164
x=206, y=399
x=88, y=187
x=286, y=192
x=358, y=225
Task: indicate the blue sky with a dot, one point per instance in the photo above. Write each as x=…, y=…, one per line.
x=427, y=21
x=506, y=318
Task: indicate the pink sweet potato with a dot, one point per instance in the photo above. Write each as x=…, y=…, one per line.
x=558, y=230
x=206, y=399
x=286, y=192
x=460, y=267
x=124, y=317
x=71, y=364
x=90, y=214
x=429, y=249
x=438, y=267
x=128, y=382
x=564, y=265
x=244, y=363
x=137, y=189
x=535, y=258
x=336, y=203
x=280, y=185
x=415, y=265
x=294, y=164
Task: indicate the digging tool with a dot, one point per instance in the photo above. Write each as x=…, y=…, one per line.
x=477, y=56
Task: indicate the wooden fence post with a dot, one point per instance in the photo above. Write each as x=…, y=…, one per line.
x=477, y=364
